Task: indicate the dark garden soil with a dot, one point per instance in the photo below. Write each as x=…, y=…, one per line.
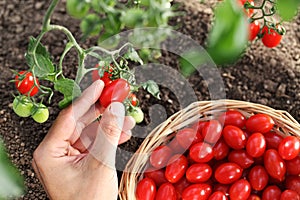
x=266, y=76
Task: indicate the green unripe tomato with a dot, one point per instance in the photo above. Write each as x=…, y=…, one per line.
x=22, y=106
x=137, y=115
x=41, y=115
x=77, y=8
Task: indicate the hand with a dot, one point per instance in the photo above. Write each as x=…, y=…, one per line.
x=76, y=159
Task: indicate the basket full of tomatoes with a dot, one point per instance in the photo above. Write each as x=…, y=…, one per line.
x=213, y=150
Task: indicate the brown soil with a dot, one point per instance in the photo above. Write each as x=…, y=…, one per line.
x=266, y=76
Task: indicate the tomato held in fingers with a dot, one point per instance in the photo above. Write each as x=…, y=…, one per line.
x=22, y=106
x=198, y=173
x=258, y=177
x=117, y=91
x=254, y=29
x=166, y=192
x=240, y=190
x=261, y=123
x=160, y=156
x=289, y=148
x=176, y=168
x=200, y=191
x=106, y=77
x=271, y=38
x=228, y=173
x=145, y=189
x=274, y=164
x=25, y=84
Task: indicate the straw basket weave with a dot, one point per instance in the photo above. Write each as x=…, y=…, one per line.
x=284, y=124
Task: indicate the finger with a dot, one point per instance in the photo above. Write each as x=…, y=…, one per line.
x=87, y=99
x=64, y=126
x=103, y=150
x=125, y=136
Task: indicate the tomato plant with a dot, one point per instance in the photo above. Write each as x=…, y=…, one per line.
x=22, y=106
x=271, y=37
x=41, y=114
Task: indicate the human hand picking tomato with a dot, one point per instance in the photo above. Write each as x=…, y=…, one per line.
x=76, y=159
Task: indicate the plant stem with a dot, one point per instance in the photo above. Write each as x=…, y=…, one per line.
x=49, y=12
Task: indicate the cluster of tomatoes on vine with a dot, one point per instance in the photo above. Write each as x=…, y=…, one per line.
x=270, y=33
x=242, y=160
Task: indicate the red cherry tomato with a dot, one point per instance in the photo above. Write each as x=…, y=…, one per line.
x=256, y=145
x=117, y=91
x=234, y=137
x=289, y=147
x=240, y=157
x=157, y=175
x=198, y=126
x=258, y=177
x=274, y=164
x=254, y=29
x=106, y=78
x=234, y=118
x=289, y=194
x=254, y=197
x=200, y=191
x=220, y=149
x=249, y=12
x=293, y=183
x=261, y=123
x=186, y=137
x=271, y=193
x=181, y=185
x=222, y=188
x=201, y=152
x=166, y=192
x=293, y=166
x=270, y=38
x=160, y=156
x=198, y=173
x=217, y=195
x=133, y=99
x=240, y=190
x=145, y=189
x=272, y=140
x=176, y=147
x=228, y=173
x=176, y=168
x=24, y=82
x=211, y=131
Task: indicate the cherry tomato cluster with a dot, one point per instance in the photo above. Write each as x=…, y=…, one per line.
x=117, y=89
x=23, y=106
x=270, y=34
x=228, y=157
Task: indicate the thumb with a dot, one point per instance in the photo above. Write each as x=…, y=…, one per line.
x=104, y=148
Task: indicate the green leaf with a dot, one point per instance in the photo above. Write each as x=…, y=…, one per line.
x=69, y=88
x=287, y=9
x=43, y=66
x=91, y=25
x=133, y=56
x=11, y=182
x=229, y=35
x=152, y=87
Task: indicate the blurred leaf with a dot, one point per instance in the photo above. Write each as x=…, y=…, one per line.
x=133, y=56
x=229, y=35
x=152, y=87
x=11, y=182
x=44, y=65
x=77, y=8
x=191, y=60
x=287, y=9
x=69, y=89
x=133, y=17
x=91, y=25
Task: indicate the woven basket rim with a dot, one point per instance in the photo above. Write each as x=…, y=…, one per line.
x=284, y=124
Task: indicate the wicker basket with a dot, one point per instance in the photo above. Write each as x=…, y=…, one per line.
x=284, y=124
